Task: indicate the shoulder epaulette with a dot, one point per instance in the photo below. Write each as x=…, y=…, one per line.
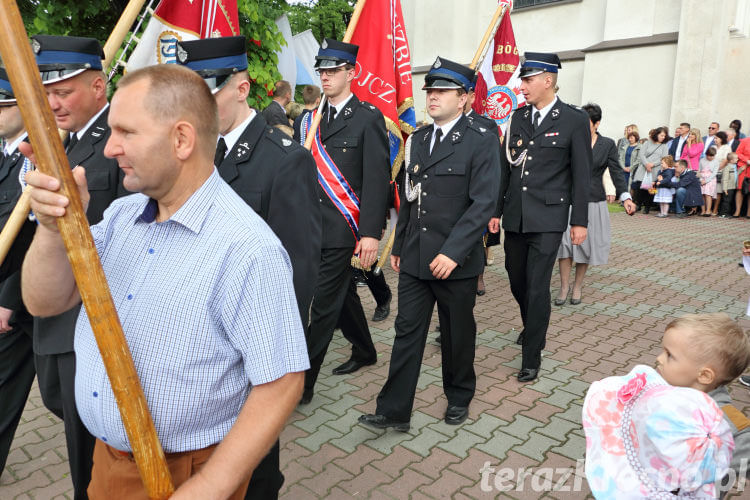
x=278, y=137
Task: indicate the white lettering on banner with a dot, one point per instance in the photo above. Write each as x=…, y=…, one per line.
x=375, y=85
x=402, y=54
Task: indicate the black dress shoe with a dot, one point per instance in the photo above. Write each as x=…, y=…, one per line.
x=519, y=340
x=382, y=311
x=455, y=415
x=481, y=291
x=350, y=366
x=307, y=395
x=383, y=422
x=527, y=374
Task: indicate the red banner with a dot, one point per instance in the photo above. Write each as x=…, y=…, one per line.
x=384, y=69
x=182, y=20
x=498, y=86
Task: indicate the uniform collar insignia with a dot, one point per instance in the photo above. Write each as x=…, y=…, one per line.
x=456, y=135
x=424, y=138
x=482, y=129
x=242, y=150
x=95, y=134
x=526, y=113
x=347, y=111
x=555, y=113
x=286, y=142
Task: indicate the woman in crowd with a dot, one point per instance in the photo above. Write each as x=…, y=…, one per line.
x=630, y=156
x=709, y=167
x=693, y=149
x=595, y=248
x=743, y=161
x=651, y=153
x=722, y=150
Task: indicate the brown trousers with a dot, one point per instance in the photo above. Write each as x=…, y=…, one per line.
x=115, y=474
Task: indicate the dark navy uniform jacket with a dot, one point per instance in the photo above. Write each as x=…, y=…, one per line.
x=277, y=177
x=357, y=142
x=460, y=183
x=536, y=197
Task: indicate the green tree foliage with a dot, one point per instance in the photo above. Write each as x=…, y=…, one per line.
x=325, y=18
x=92, y=18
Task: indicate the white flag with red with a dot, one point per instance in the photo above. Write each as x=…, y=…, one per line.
x=182, y=20
x=498, y=90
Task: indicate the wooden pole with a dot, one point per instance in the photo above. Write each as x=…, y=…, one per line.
x=84, y=260
x=499, y=13
x=347, y=38
x=127, y=18
x=13, y=225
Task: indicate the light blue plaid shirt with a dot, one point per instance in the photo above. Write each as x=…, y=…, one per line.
x=207, y=306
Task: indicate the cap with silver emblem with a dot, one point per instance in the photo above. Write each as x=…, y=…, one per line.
x=539, y=62
x=334, y=54
x=214, y=59
x=61, y=57
x=445, y=74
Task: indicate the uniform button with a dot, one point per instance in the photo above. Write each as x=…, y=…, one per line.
x=150, y=250
x=531, y=143
x=130, y=297
x=562, y=199
x=320, y=200
x=424, y=229
x=526, y=173
x=96, y=394
x=450, y=170
x=424, y=194
x=525, y=188
x=530, y=158
x=424, y=212
x=424, y=176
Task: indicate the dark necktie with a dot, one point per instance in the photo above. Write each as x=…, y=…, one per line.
x=536, y=119
x=72, y=142
x=438, y=135
x=331, y=114
x=221, y=150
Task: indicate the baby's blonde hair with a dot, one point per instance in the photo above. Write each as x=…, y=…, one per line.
x=719, y=341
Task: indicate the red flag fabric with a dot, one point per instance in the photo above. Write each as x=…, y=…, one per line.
x=498, y=89
x=384, y=70
x=181, y=20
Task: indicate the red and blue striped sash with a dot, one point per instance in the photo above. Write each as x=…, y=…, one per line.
x=332, y=180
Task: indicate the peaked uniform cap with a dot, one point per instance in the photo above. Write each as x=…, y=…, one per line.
x=539, y=62
x=214, y=59
x=63, y=57
x=6, y=91
x=446, y=74
x=334, y=54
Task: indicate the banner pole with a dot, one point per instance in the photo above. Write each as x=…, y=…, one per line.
x=82, y=254
x=496, y=18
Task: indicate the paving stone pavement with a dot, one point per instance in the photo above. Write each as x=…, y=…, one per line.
x=525, y=440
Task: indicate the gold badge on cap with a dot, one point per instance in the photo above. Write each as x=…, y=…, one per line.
x=416, y=168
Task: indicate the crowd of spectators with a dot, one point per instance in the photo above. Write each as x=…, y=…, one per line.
x=688, y=174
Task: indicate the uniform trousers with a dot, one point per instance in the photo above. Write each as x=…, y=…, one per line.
x=334, y=279
x=352, y=321
x=529, y=260
x=416, y=301
x=16, y=376
x=56, y=375
x=116, y=474
x=267, y=478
